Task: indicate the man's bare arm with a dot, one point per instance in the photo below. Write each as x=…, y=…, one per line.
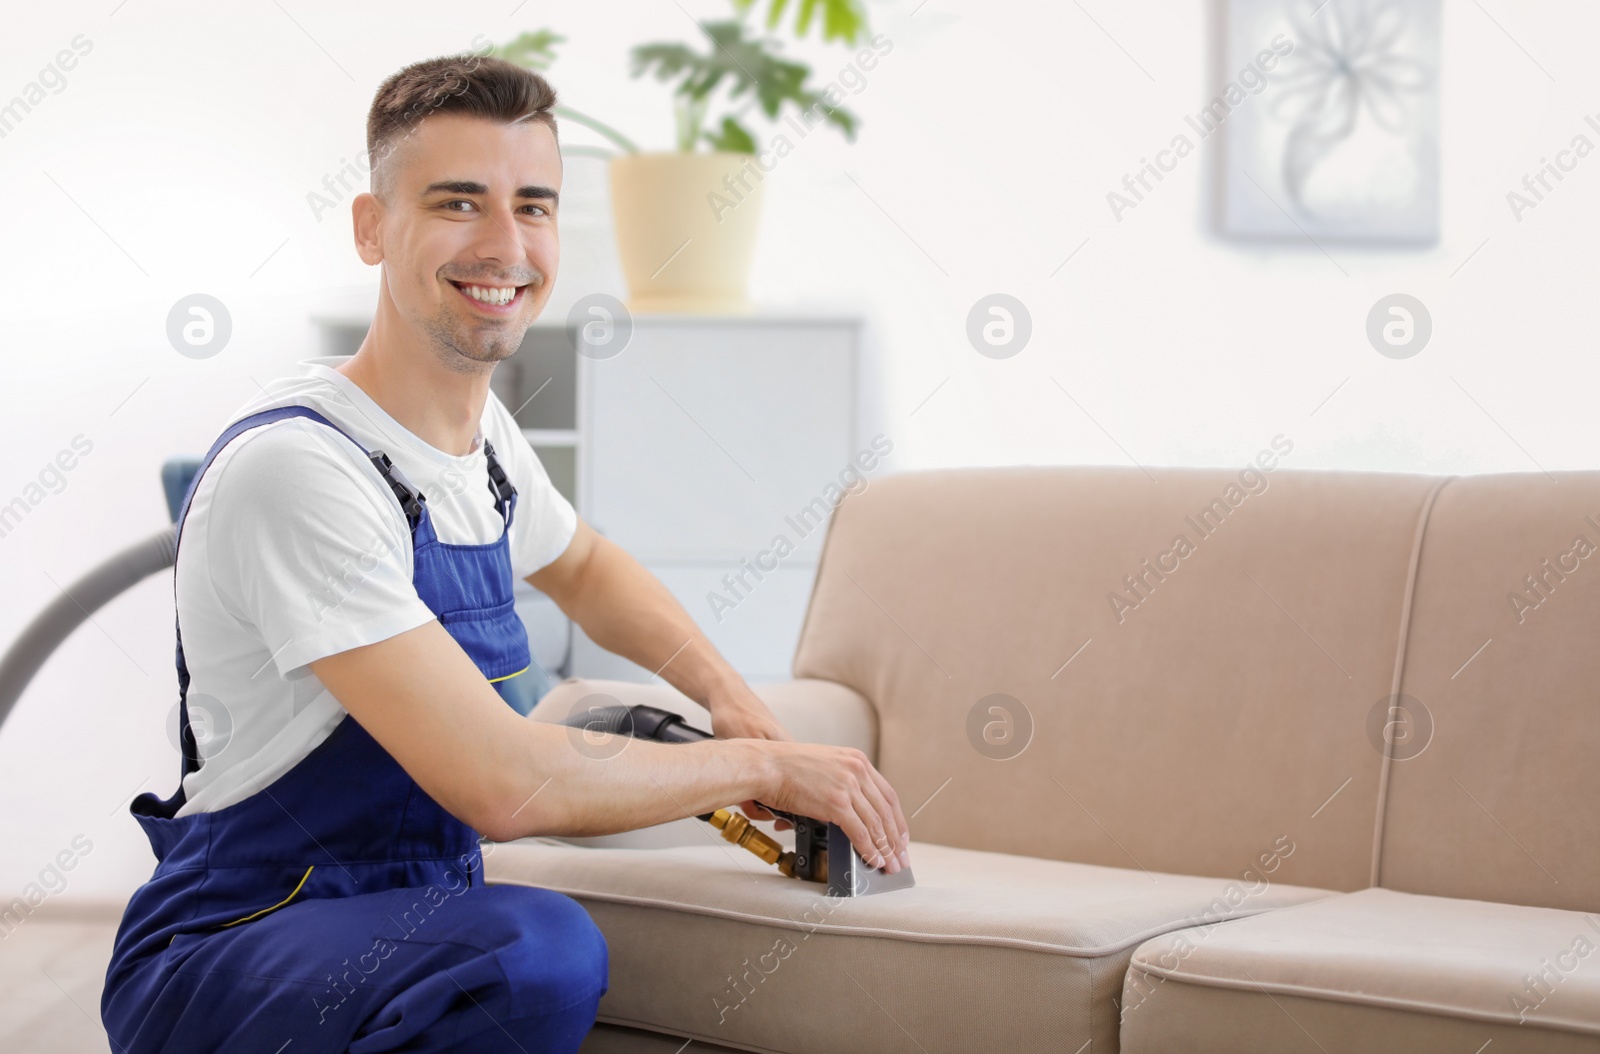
x=626, y=610
x=426, y=703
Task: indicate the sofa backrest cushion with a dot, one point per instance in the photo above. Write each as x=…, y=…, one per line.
x=1502, y=801
x=1198, y=652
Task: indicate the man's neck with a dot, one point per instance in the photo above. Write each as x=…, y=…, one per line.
x=441, y=407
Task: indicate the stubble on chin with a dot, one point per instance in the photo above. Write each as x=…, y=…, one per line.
x=464, y=349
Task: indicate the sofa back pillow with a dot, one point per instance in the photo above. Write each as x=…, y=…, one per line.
x=1171, y=670
x=1497, y=794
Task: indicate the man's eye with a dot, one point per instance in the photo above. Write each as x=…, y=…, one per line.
x=543, y=210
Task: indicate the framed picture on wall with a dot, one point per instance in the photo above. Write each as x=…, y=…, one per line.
x=1339, y=139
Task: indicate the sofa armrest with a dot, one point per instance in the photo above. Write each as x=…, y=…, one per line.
x=814, y=711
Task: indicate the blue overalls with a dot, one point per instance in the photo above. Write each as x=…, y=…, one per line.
x=340, y=907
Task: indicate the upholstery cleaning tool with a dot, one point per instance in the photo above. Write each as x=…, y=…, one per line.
x=822, y=852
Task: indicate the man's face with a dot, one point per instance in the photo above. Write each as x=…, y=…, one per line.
x=473, y=211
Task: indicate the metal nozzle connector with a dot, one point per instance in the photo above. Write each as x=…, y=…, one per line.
x=740, y=831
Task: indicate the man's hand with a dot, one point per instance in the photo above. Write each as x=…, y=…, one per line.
x=738, y=713
x=839, y=785
x=626, y=610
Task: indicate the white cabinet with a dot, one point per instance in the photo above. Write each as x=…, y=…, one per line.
x=709, y=449
x=696, y=448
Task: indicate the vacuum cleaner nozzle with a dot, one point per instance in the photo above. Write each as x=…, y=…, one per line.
x=822, y=852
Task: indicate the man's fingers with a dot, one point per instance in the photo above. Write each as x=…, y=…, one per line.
x=877, y=809
x=887, y=837
x=858, y=833
x=756, y=812
x=882, y=845
x=898, y=818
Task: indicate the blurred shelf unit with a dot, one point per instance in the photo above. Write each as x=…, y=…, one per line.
x=706, y=442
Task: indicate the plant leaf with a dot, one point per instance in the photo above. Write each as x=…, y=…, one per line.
x=534, y=49
x=835, y=115
x=807, y=8
x=733, y=138
x=748, y=65
x=841, y=19
x=775, y=15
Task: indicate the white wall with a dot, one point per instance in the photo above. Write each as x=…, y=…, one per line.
x=179, y=155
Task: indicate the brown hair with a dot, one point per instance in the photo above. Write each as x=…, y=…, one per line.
x=477, y=85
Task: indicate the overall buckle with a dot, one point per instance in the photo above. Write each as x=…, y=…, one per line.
x=410, y=498
x=499, y=483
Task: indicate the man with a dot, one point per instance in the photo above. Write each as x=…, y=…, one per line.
x=344, y=597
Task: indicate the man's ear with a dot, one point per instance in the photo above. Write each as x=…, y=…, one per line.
x=366, y=212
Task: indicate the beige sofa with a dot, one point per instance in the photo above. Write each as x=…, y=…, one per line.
x=1221, y=833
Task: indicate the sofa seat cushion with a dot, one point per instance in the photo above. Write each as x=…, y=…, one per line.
x=988, y=951
x=1376, y=970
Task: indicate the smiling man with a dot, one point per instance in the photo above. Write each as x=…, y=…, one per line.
x=343, y=582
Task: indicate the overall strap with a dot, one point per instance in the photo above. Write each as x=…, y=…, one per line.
x=409, y=497
x=499, y=484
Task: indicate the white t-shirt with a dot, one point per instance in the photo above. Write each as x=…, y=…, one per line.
x=294, y=548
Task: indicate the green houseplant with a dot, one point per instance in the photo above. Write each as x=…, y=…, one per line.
x=686, y=219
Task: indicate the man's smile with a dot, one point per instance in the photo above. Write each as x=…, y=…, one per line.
x=491, y=299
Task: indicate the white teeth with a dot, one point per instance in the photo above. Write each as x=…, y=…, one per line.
x=490, y=294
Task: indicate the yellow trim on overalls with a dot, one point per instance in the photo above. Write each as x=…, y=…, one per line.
x=508, y=676
x=274, y=907
x=263, y=911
